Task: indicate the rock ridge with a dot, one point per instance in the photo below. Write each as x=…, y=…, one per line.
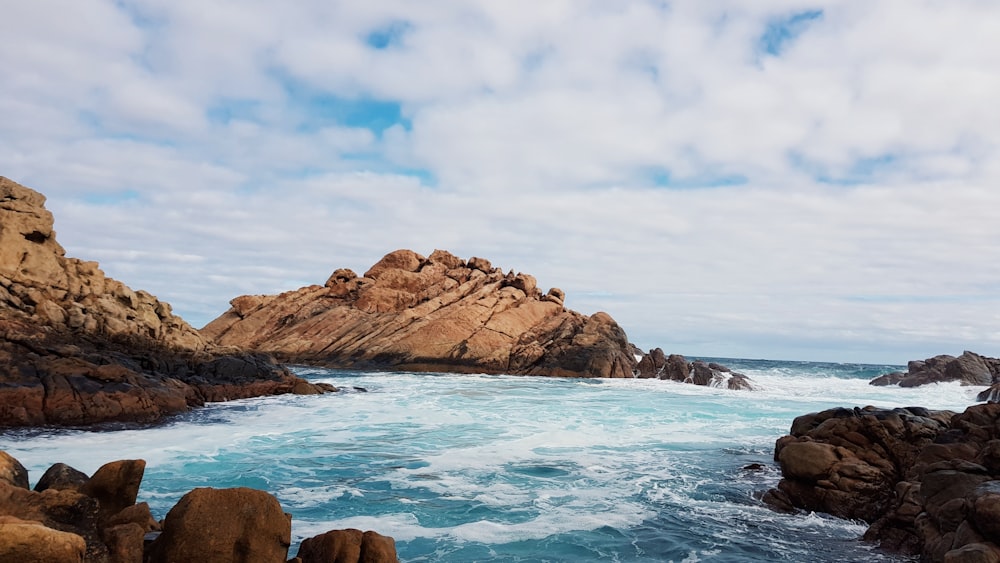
x=970, y=369
x=434, y=313
x=77, y=347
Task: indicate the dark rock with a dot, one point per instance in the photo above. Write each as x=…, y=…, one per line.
x=61, y=476
x=969, y=368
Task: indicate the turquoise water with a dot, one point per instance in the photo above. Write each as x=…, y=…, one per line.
x=501, y=468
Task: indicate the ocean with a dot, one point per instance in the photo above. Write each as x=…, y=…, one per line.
x=461, y=468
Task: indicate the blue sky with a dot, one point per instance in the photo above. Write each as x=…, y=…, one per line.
x=779, y=179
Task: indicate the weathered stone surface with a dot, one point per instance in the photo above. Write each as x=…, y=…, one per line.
x=237, y=524
x=77, y=347
x=927, y=481
x=12, y=472
x=61, y=476
x=348, y=546
x=438, y=313
x=26, y=540
x=969, y=368
x=115, y=485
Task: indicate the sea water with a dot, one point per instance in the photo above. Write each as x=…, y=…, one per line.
x=504, y=468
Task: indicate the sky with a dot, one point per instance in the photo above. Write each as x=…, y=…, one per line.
x=773, y=179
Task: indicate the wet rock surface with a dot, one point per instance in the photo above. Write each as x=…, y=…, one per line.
x=927, y=482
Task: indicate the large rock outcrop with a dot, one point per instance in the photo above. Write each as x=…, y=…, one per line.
x=438, y=313
x=969, y=369
x=928, y=482
x=77, y=347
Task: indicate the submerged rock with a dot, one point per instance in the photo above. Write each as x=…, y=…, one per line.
x=435, y=313
x=928, y=482
x=77, y=347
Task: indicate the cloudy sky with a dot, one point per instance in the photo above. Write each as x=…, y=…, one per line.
x=776, y=178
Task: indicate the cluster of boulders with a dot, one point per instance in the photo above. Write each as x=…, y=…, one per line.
x=676, y=367
x=434, y=313
x=969, y=369
x=927, y=482
x=72, y=518
x=77, y=347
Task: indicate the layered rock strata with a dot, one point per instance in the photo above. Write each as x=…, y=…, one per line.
x=70, y=517
x=77, y=347
x=435, y=313
x=928, y=482
x=969, y=369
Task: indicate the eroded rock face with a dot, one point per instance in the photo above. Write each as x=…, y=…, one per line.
x=928, y=482
x=969, y=368
x=238, y=524
x=77, y=347
x=438, y=313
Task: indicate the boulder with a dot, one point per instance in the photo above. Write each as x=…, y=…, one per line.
x=238, y=524
x=26, y=540
x=115, y=485
x=61, y=476
x=348, y=546
x=12, y=472
x=436, y=313
x=77, y=347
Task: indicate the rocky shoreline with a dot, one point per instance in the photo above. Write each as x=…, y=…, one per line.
x=927, y=482
x=71, y=517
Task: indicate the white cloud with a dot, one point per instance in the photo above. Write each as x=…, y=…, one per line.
x=833, y=200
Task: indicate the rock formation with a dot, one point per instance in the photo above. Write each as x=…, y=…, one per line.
x=97, y=520
x=928, y=482
x=675, y=367
x=77, y=347
x=438, y=313
x=969, y=368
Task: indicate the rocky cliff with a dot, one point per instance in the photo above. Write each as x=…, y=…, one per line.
x=435, y=313
x=928, y=482
x=77, y=347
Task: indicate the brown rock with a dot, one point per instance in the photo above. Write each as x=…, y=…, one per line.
x=115, y=485
x=969, y=368
x=125, y=543
x=238, y=524
x=430, y=314
x=12, y=472
x=348, y=546
x=77, y=347
x=30, y=541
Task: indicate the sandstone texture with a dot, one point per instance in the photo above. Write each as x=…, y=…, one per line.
x=77, y=347
x=969, y=368
x=435, y=313
x=97, y=520
x=927, y=482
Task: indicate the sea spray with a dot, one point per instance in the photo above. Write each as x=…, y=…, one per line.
x=500, y=468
